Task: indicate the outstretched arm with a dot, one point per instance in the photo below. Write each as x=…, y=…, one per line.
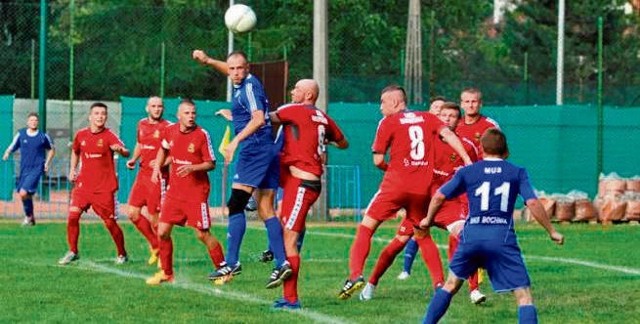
x=203, y=58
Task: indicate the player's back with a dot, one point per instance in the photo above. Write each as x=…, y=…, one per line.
x=408, y=137
x=306, y=131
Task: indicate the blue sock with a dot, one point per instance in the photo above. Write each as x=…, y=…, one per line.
x=301, y=240
x=410, y=254
x=276, y=243
x=527, y=314
x=438, y=306
x=27, y=204
x=235, y=233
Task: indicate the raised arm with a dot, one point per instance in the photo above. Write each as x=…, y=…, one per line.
x=202, y=57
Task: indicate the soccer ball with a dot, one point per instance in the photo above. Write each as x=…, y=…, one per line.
x=240, y=18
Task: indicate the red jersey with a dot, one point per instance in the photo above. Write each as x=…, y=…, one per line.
x=409, y=137
x=148, y=139
x=306, y=130
x=475, y=130
x=447, y=161
x=188, y=149
x=97, y=170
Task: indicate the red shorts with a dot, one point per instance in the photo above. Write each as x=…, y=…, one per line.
x=296, y=202
x=385, y=204
x=103, y=203
x=450, y=212
x=180, y=212
x=146, y=193
x=405, y=228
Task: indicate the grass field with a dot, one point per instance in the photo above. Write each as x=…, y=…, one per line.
x=594, y=278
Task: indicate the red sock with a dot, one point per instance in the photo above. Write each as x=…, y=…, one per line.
x=144, y=226
x=290, y=286
x=431, y=258
x=73, y=231
x=386, y=259
x=216, y=255
x=166, y=255
x=116, y=235
x=359, y=251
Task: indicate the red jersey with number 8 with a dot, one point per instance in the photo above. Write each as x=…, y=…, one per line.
x=408, y=138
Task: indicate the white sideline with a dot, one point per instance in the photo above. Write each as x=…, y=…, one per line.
x=620, y=269
x=205, y=289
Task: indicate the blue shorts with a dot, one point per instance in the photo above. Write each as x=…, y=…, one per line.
x=28, y=181
x=258, y=165
x=502, y=260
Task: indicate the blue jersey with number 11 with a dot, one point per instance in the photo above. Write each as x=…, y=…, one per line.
x=492, y=186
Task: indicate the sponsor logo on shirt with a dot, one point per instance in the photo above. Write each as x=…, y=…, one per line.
x=487, y=220
x=92, y=155
x=147, y=147
x=178, y=161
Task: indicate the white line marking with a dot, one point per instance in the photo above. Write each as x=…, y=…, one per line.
x=625, y=270
x=181, y=283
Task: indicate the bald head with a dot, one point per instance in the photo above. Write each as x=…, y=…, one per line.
x=305, y=91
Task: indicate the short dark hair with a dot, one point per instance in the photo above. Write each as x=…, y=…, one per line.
x=33, y=114
x=494, y=142
x=239, y=53
x=98, y=104
x=453, y=106
x=187, y=100
x=395, y=87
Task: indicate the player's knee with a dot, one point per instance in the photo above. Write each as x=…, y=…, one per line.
x=238, y=200
x=23, y=194
x=133, y=213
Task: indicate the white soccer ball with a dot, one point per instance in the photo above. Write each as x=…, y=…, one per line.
x=240, y=18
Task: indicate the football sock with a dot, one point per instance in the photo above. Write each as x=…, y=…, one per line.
x=453, y=246
x=300, y=240
x=438, y=306
x=235, y=233
x=431, y=258
x=144, y=226
x=359, y=251
x=166, y=255
x=276, y=243
x=27, y=204
x=409, y=255
x=73, y=231
x=116, y=235
x=290, y=286
x=385, y=260
x=216, y=255
x=527, y=314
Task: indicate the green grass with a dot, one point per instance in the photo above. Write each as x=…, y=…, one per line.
x=594, y=278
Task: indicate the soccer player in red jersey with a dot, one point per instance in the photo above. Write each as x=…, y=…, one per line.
x=186, y=199
x=474, y=123
x=144, y=192
x=408, y=136
x=451, y=217
x=307, y=130
x=95, y=181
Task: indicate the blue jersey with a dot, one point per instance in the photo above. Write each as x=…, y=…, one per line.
x=32, y=150
x=249, y=96
x=492, y=186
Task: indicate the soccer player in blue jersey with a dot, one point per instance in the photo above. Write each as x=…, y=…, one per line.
x=33, y=144
x=257, y=166
x=488, y=238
